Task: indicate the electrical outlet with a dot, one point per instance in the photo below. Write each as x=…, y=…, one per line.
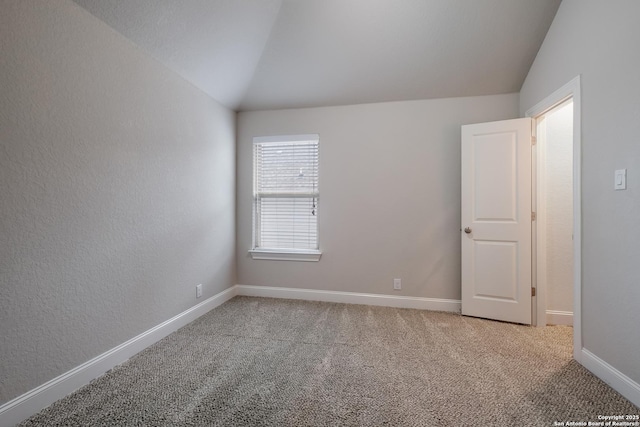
x=397, y=284
x=199, y=290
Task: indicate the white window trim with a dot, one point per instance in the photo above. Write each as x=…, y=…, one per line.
x=284, y=254
x=286, y=138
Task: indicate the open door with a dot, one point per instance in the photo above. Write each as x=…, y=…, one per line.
x=496, y=220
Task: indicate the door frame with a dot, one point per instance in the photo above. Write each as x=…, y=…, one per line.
x=567, y=91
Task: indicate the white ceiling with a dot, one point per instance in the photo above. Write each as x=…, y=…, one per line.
x=265, y=54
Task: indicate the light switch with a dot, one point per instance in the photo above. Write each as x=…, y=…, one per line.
x=620, y=182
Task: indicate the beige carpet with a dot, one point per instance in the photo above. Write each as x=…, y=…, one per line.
x=270, y=362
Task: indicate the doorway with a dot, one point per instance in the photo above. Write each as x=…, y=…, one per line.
x=537, y=306
x=553, y=203
x=570, y=91
x=566, y=99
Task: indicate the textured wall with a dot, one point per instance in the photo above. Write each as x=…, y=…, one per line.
x=389, y=194
x=599, y=41
x=117, y=192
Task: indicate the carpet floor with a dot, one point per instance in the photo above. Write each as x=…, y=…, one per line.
x=272, y=362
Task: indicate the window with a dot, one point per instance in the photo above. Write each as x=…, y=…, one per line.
x=285, y=198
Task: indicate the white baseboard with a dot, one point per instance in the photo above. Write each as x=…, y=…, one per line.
x=610, y=375
x=35, y=400
x=30, y=403
x=397, y=301
x=555, y=317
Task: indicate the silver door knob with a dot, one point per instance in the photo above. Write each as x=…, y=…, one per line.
x=467, y=230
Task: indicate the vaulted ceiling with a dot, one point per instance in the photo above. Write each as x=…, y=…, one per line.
x=266, y=54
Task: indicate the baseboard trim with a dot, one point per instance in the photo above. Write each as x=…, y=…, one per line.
x=434, y=304
x=32, y=402
x=610, y=375
x=555, y=317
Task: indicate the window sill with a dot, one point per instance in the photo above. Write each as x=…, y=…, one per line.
x=285, y=255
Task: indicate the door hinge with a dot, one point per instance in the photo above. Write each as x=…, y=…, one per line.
x=534, y=140
x=533, y=292
x=533, y=216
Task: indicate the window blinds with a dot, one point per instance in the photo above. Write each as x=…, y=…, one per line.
x=286, y=194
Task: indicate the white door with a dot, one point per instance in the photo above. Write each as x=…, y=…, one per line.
x=496, y=220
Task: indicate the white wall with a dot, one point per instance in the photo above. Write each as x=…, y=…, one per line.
x=599, y=41
x=117, y=192
x=389, y=194
x=559, y=208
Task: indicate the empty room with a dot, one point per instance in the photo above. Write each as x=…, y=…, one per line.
x=319, y=212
